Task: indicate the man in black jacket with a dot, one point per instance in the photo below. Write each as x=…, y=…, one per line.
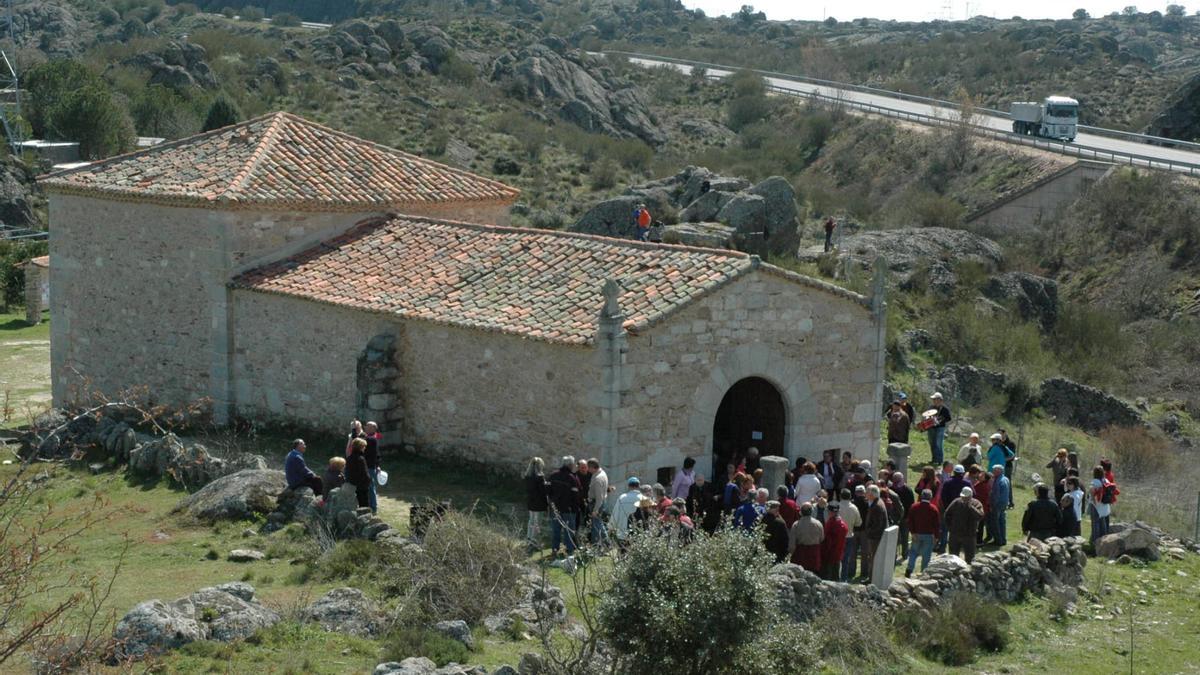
x=830, y=473
x=1042, y=516
x=564, y=506
x=775, y=532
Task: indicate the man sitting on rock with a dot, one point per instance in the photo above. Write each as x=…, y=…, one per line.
x=297, y=472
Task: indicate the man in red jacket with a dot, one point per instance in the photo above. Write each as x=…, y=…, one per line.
x=834, y=543
x=923, y=519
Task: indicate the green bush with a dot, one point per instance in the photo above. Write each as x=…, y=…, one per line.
x=222, y=113
x=409, y=642
x=703, y=608
x=12, y=277
x=252, y=13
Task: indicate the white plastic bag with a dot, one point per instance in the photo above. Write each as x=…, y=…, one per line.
x=381, y=477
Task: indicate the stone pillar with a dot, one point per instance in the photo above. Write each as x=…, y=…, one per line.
x=883, y=567
x=611, y=348
x=774, y=468
x=899, y=453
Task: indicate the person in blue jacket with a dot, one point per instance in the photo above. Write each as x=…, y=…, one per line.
x=296, y=470
x=998, y=515
x=999, y=453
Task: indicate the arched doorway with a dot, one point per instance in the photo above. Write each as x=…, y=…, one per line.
x=751, y=414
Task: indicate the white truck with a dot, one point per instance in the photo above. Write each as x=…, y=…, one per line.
x=1056, y=117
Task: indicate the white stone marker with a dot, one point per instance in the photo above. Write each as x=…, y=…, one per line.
x=884, y=565
x=899, y=453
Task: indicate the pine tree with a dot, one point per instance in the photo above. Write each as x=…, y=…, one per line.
x=222, y=113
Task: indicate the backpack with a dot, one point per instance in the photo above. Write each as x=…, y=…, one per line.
x=1108, y=493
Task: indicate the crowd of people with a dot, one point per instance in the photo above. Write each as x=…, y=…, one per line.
x=829, y=516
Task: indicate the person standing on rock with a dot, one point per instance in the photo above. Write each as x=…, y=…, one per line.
x=923, y=522
x=962, y=521
x=775, y=532
x=830, y=225
x=642, y=221
x=875, y=523
x=597, y=502
x=1101, y=504
x=537, y=496
x=371, y=455
x=1001, y=495
x=834, y=543
x=898, y=423
x=1042, y=517
x=296, y=470
x=937, y=433
x=357, y=473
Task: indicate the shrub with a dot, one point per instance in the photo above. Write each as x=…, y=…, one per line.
x=707, y=607
x=604, y=175
x=408, y=642
x=222, y=113
x=1137, y=452
x=456, y=69
x=108, y=16
x=845, y=628
x=958, y=629
x=14, y=252
x=252, y=13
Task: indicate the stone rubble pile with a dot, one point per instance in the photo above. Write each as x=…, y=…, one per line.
x=222, y=613
x=539, y=602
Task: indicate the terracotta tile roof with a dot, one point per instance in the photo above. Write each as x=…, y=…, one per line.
x=278, y=161
x=534, y=283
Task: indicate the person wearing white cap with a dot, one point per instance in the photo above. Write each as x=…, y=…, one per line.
x=962, y=522
x=625, y=507
x=937, y=433
x=999, y=452
x=971, y=452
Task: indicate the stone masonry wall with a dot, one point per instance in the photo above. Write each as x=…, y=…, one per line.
x=488, y=397
x=817, y=348
x=139, y=291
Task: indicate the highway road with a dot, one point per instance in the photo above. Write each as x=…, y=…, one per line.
x=1125, y=150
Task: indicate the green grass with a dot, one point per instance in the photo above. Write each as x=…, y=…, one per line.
x=24, y=368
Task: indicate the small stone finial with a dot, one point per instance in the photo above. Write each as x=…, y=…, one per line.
x=612, y=294
x=755, y=261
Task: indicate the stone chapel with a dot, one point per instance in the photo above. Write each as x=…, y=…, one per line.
x=281, y=270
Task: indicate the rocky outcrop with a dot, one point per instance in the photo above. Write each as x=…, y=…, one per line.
x=345, y=610
x=581, y=89
x=540, y=602
x=909, y=249
x=419, y=665
x=178, y=65
x=239, y=496
x=457, y=630
x=1035, y=298
x=223, y=613
x=1085, y=407
x=706, y=131
x=17, y=189
x=717, y=211
x=1180, y=116
x=968, y=384
x=1134, y=539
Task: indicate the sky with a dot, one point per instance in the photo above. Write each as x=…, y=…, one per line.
x=923, y=10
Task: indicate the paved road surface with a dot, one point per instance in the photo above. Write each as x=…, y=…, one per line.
x=1101, y=144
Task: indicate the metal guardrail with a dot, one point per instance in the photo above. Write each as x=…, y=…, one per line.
x=941, y=103
x=1032, y=141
